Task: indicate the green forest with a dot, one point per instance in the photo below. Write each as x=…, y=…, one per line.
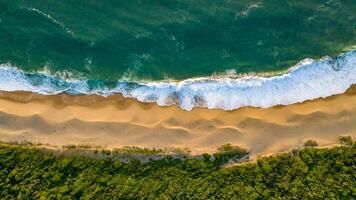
x=308, y=173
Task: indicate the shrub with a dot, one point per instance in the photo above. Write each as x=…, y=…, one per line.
x=310, y=143
x=346, y=140
x=105, y=152
x=70, y=146
x=227, y=152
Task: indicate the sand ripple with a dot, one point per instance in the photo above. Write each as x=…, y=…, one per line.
x=116, y=122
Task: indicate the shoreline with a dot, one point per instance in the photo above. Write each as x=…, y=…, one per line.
x=116, y=121
x=308, y=80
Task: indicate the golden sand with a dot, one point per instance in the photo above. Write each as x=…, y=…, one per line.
x=116, y=121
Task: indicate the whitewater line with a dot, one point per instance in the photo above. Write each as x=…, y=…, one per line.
x=308, y=80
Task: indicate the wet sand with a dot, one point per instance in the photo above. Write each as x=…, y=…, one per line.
x=116, y=121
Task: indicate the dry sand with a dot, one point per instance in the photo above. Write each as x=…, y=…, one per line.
x=116, y=122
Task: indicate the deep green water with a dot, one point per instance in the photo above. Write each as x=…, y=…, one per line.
x=153, y=40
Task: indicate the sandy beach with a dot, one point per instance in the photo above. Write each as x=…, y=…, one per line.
x=116, y=121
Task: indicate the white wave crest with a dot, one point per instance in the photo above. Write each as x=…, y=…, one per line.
x=310, y=79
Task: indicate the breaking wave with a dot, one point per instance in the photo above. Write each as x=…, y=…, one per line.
x=309, y=79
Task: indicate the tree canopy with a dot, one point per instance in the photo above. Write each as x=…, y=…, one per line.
x=309, y=173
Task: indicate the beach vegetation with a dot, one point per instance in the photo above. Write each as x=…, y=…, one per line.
x=84, y=146
x=346, y=140
x=312, y=173
x=310, y=143
x=137, y=150
x=69, y=146
x=228, y=152
x=105, y=152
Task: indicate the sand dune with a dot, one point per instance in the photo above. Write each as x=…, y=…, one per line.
x=116, y=121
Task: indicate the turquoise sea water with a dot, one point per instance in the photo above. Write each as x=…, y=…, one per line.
x=114, y=46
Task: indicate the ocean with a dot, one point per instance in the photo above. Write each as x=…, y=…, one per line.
x=215, y=54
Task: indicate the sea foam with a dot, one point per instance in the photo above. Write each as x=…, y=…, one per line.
x=309, y=79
